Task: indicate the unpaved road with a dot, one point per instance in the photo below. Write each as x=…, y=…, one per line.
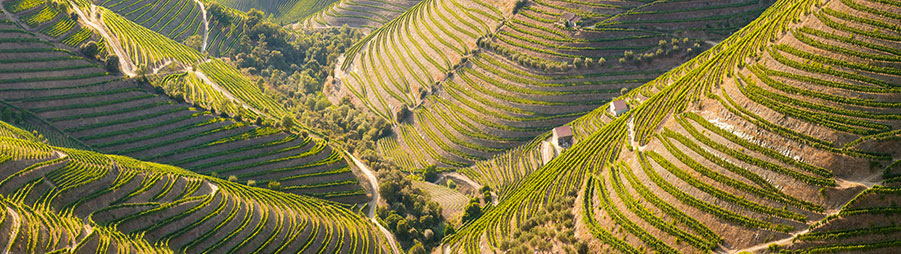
x=16, y=225
x=376, y=196
x=225, y=92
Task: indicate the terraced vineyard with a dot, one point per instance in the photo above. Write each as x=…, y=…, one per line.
x=531, y=74
x=49, y=20
x=284, y=11
x=751, y=142
x=174, y=19
x=145, y=47
x=369, y=14
x=109, y=201
x=39, y=230
x=452, y=201
x=753, y=126
x=863, y=225
x=122, y=117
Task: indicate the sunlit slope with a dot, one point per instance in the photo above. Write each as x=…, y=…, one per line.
x=180, y=19
x=866, y=224
x=51, y=20
x=145, y=51
x=367, y=14
x=28, y=229
x=534, y=73
x=283, y=11
x=122, y=117
x=394, y=65
x=176, y=19
x=172, y=208
x=751, y=142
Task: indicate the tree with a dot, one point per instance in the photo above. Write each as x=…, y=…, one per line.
x=428, y=235
x=194, y=42
x=402, y=113
x=518, y=6
x=232, y=178
x=90, y=49
x=251, y=182
x=451, y=184
x=288, y=121
x=275, y=185
x=430, y=173
x=486, y=193
x=581, y=248
x=417, y=249
x=393, y=219
x=449, y=230
x=472, y=211
x=577, y=62
x=7, y=115
x=402, y=227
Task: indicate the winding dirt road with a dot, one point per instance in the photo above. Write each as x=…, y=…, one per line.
x=376, y=196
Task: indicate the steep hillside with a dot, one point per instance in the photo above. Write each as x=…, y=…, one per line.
x=142, y=49
x=109, y=114
x=536, y=72
x=866, y=224
x=751, y=142
x=168, y=207
x=282, y=11
x=51, y=20
x=27, y=229
x=366, y=14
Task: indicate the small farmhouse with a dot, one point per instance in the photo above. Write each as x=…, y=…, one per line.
x=569, y=19
x=563, y=135
x=618, y=107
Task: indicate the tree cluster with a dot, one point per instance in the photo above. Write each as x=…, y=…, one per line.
x=91, y=50
x=664, y=48
x=549, y=230
x=410, y=215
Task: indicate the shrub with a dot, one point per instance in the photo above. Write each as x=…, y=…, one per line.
x=449, y=230
x=112, y=64
x=430, y=173
x=275, y=185
x=90, y=49
x=402, y=114
x=417, y=249
x=472, y=211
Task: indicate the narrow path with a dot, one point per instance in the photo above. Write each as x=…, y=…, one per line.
x=225, y=92
x=206, y=25
x=465, y=178
x=376, y=196
x=764, y=245
x=16, y=224
x=125, y=64
x=842, y=184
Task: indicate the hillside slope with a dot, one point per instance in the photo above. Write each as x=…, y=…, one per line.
x=365, y=14
x=107, y=113
x=770, y=131
x=168, y=207
x=535, y=72
x=282, y=11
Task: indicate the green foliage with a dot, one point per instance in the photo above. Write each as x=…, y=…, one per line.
x=430, y=173
x=472, y=211
x=410, y=213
